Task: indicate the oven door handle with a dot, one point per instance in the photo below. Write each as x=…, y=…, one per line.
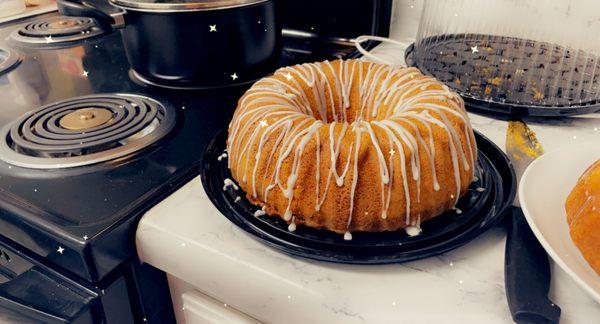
x=37, y=295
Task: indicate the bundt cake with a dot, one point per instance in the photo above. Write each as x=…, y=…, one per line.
x=583, y=215
x=351, y=146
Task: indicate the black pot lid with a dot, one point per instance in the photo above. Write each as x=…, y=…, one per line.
x=482, y=207
x=182, y=5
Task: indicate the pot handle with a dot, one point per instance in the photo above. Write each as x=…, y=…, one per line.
x=107, y=21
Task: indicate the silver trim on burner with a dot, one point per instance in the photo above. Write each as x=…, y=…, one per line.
x=90, y=32
x=294, y=33
x=11, y=59
x=182, y=5
x=156, y=130
x=142, y=80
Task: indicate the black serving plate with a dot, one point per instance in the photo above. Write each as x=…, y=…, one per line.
x=448, y=68
x=479, y=210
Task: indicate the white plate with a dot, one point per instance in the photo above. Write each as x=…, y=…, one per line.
x=542, y=192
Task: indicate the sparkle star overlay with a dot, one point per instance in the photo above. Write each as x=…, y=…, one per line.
x=234, y=76
x=48, y=39
x=474, y=49
x=60, y=250
x=85, y=73
x=289, y=76
x=213, y=28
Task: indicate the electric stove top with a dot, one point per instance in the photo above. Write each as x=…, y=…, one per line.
x=75, y=175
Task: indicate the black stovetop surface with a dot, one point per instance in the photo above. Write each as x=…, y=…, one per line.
x=44, y=210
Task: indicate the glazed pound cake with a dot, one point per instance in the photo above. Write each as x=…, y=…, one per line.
x=351, y=146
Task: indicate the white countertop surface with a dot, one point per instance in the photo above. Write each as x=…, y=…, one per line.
x=42, y=7
x=186, y=236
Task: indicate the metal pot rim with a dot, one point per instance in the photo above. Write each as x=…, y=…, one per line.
x=182, y=5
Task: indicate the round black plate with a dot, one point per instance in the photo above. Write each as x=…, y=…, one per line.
x=460, y=62
x=479, y=210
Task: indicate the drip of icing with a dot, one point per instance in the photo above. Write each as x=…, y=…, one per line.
x=318, y=173
x=389, y=193
x=400, y=149
x=222, y=156
x=413, y=230
x=357, y=129
x=480, y=189
x=259, y=212
x=292, y=227
x=348, y=236
x=237, y=199
x=229, y=183
x=457, y=210
x=334, y=153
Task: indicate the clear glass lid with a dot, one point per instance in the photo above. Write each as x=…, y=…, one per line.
x=528, y=52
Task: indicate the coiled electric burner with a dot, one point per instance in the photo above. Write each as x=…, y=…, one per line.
x=57, y=30
x=8, y=60
x=85, y=130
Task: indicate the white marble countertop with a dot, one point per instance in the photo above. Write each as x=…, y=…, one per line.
x=186, y=236
x=42, y=6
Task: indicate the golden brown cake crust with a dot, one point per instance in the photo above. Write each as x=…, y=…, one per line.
x=583, y=215
x=351, y=146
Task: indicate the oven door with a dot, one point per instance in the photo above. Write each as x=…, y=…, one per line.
x=33, y=293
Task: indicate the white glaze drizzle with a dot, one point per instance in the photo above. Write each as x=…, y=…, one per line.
x=357, y=129
x=229, y=183
x=413, y=230
x=348, y=236
x=401, y=102
x=292, y=227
